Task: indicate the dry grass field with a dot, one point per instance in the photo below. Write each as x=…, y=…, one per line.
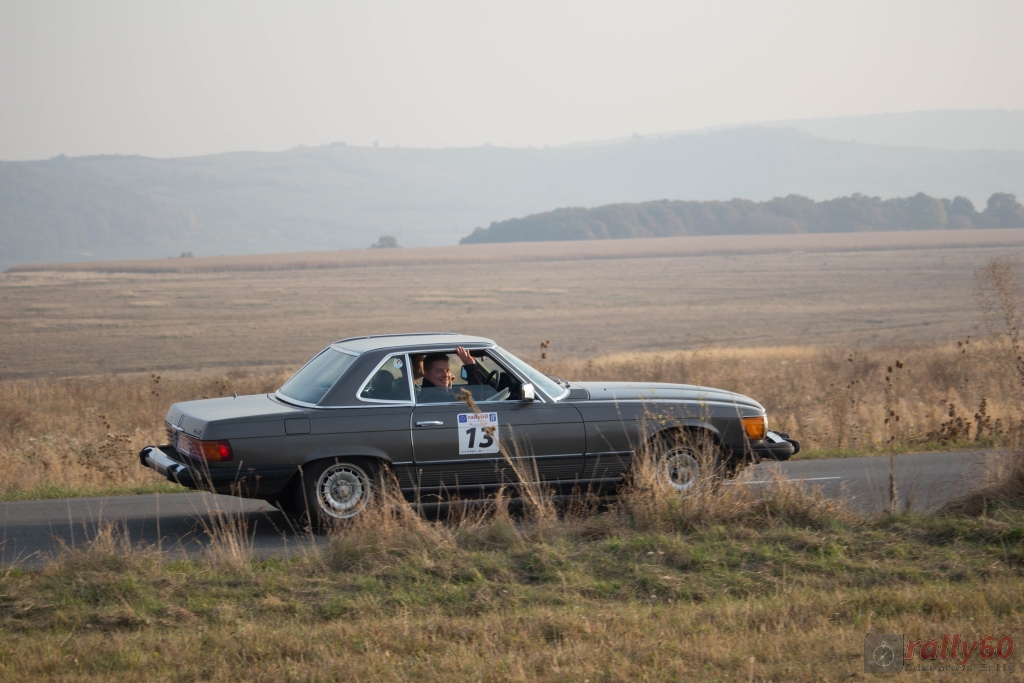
x=588, y=298
x=732, y=583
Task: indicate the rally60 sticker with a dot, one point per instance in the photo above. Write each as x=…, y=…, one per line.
x=478, y=433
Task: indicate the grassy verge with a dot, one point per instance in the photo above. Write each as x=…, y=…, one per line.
x=575, y=605
x=723, y=586
x=50, y=491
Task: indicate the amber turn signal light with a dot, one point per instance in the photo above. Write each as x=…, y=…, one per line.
x=216, y=451
x=756, y=427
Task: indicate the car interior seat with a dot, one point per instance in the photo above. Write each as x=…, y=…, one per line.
x=400, y=389
x=381, y=386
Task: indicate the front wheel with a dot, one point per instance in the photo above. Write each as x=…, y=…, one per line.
x=337, y=490
x=686, y=462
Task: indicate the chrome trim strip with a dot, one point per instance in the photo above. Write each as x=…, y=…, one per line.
x=348, y=407
x=507, y=401
x=497, y=358
x=475, y=461
x=296, y=402
x=398, y=334
x=679, y=401
x=412, y=379
x=510, y=484
x=339, y=349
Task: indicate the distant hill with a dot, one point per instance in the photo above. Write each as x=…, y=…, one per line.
x=792, y=214
x=942, y=129
x=344, y=197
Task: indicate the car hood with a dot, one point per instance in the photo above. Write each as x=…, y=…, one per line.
x=198, y=417
x=657, y=391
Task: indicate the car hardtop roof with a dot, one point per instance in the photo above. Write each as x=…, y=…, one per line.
x=411, y=339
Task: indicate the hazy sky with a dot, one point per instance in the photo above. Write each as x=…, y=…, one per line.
x=185, y=78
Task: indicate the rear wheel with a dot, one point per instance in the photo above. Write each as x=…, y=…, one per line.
x=337, y=490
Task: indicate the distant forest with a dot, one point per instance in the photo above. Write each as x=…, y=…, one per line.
x=792, y=214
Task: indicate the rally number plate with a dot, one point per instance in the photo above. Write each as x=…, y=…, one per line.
x=478, y=433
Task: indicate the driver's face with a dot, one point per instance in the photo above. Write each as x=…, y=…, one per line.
x=438, y=374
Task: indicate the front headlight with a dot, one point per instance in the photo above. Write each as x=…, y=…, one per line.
x=756, y=427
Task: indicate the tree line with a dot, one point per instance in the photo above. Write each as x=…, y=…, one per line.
x=791, y=214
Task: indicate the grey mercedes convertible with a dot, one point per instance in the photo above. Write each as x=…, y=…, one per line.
x=448, y=414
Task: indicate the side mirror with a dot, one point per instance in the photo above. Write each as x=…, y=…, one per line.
x=526, y=393
x=464, y=373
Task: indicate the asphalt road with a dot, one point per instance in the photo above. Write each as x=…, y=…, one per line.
x=32, y=531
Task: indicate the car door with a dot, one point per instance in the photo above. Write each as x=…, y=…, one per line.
x=455, y=453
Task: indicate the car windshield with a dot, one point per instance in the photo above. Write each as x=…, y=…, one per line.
x=316, y=377
x=542, y=381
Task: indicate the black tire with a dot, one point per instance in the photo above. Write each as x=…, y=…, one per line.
x=337, y=490
x=687, y=460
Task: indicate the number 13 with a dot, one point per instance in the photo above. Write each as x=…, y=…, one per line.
x=484, y=443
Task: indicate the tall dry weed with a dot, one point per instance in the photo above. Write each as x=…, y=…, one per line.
x=999, y=287
x=388, y=530
x=647, y=503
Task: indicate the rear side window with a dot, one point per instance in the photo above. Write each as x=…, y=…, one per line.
x=389, y=382
x=317, y=377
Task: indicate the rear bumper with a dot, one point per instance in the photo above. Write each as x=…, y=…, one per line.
x=166, y=461
x=246, y=482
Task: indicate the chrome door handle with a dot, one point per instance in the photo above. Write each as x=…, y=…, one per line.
x=430, y=423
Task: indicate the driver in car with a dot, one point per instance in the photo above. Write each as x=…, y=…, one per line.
x=438, y=378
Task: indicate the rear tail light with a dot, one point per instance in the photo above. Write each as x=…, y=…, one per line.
x=216, y=451
x=756, y=427
x=210, y=451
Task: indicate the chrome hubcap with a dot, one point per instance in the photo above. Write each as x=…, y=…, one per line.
x=343, y=490
x=680, y=469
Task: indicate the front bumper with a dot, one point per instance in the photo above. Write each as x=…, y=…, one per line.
x=774, y=446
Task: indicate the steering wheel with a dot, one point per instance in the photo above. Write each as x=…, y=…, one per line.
x=492, y=379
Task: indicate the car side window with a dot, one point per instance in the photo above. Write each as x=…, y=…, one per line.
x=389, y=382
x=486, y=380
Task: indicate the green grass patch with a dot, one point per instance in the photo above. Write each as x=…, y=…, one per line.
x=51, y=491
